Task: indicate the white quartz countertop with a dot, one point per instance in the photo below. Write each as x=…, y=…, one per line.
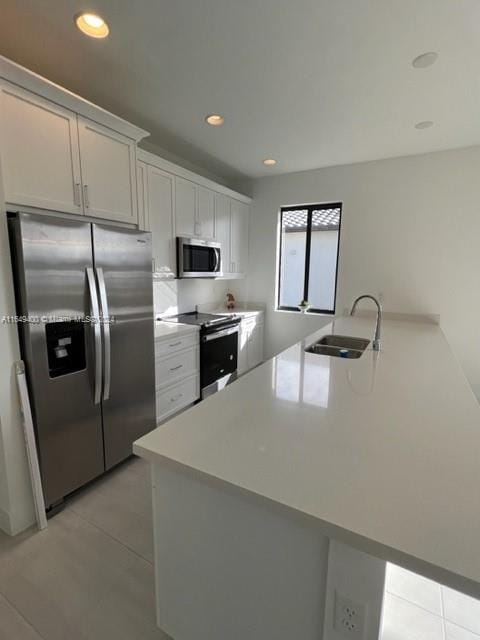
x=171, y=329
x=383, y=452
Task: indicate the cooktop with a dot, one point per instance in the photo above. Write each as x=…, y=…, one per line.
x=201, y=319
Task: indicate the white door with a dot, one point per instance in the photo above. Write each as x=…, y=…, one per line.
x=185, y=207
x=239, y=237
x=108, y=173
x=206, y=213
x=222, y=229
x=39, y=150
x=160, y=188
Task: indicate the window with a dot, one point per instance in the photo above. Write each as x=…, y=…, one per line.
x=309, y=242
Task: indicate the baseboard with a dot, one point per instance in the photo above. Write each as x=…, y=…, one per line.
x=5, y=522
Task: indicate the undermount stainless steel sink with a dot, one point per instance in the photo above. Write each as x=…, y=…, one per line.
x=339, y=346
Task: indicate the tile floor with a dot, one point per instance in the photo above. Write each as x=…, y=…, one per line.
x=418, y=609
x=89, y=576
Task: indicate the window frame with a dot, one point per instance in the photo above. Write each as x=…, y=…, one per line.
x=310, y=208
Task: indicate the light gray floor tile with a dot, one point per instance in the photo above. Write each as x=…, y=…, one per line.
x=121, y=505
x=128, y=611
x=84, y=577
x=57, y=577
x=13, y=626
x=457, y=633
x=410, y=586
x=403, y=620
x=462, y=610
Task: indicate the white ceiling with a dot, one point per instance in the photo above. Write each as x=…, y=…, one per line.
x=311, y=83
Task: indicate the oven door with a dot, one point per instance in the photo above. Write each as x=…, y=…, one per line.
x=198, y=258
x=218, y=360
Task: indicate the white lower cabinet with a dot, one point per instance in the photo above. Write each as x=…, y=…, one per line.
x=250, y=343
x=177, y=374
x=176, y=397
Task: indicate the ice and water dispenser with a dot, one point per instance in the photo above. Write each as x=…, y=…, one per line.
x=65, y=347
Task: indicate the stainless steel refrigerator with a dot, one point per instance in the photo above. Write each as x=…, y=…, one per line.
x=87, y=342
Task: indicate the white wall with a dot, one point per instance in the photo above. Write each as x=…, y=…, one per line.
x=180, y=296
x=410, y=231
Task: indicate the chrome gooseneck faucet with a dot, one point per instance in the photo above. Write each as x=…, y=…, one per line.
x=376, y=339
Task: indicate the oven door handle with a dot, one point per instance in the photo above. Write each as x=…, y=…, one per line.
x=219, y=334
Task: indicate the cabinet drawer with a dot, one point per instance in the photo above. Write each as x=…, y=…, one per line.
x=174, y=398
x=173, y=344
x=176, y=366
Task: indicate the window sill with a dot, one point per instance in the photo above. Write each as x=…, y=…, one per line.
x=330, y=314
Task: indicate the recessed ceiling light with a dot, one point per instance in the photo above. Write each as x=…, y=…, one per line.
x=425, y=59
x=425, y=124
x=215, y=119
x=269, y=162
x=92, y=25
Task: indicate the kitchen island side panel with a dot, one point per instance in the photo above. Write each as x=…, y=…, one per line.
x=227, y=567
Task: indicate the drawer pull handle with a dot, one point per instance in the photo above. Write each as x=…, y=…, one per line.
x=175, y=344
x=176, y=397
x=177, y=367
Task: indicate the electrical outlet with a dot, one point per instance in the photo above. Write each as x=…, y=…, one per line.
x=350, y=616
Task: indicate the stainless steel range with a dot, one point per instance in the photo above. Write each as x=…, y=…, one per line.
x=218, y=348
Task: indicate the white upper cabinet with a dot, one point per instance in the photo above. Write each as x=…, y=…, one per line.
x=39, y=151
x=54, y=159
x=222, y=228
x=185, y=207
x=205, y=212
x=231, y=230
x=239, y=237
x=160, y=193
x=194, y=209
x=108, y=173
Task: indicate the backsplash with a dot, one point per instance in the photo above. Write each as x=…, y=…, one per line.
x=179, y=296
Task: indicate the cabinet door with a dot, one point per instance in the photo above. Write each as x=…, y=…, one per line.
x=222, y=230
x=255, y=346
x=160, y=186
x=206, y=213
x=185, y=208
x=242, y=364
x=108, y=173
x=39, y=149
x=239, y=237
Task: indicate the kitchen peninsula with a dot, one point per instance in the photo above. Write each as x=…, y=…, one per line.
x=249, y=487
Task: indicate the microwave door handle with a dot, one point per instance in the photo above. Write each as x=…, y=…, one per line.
x=217, y=260
x=106, y=334
x=96, y=333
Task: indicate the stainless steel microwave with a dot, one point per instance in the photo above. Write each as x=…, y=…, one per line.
x=198, y=258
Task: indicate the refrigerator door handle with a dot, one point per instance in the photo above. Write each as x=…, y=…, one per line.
x=106, y=334
x=96, y=332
